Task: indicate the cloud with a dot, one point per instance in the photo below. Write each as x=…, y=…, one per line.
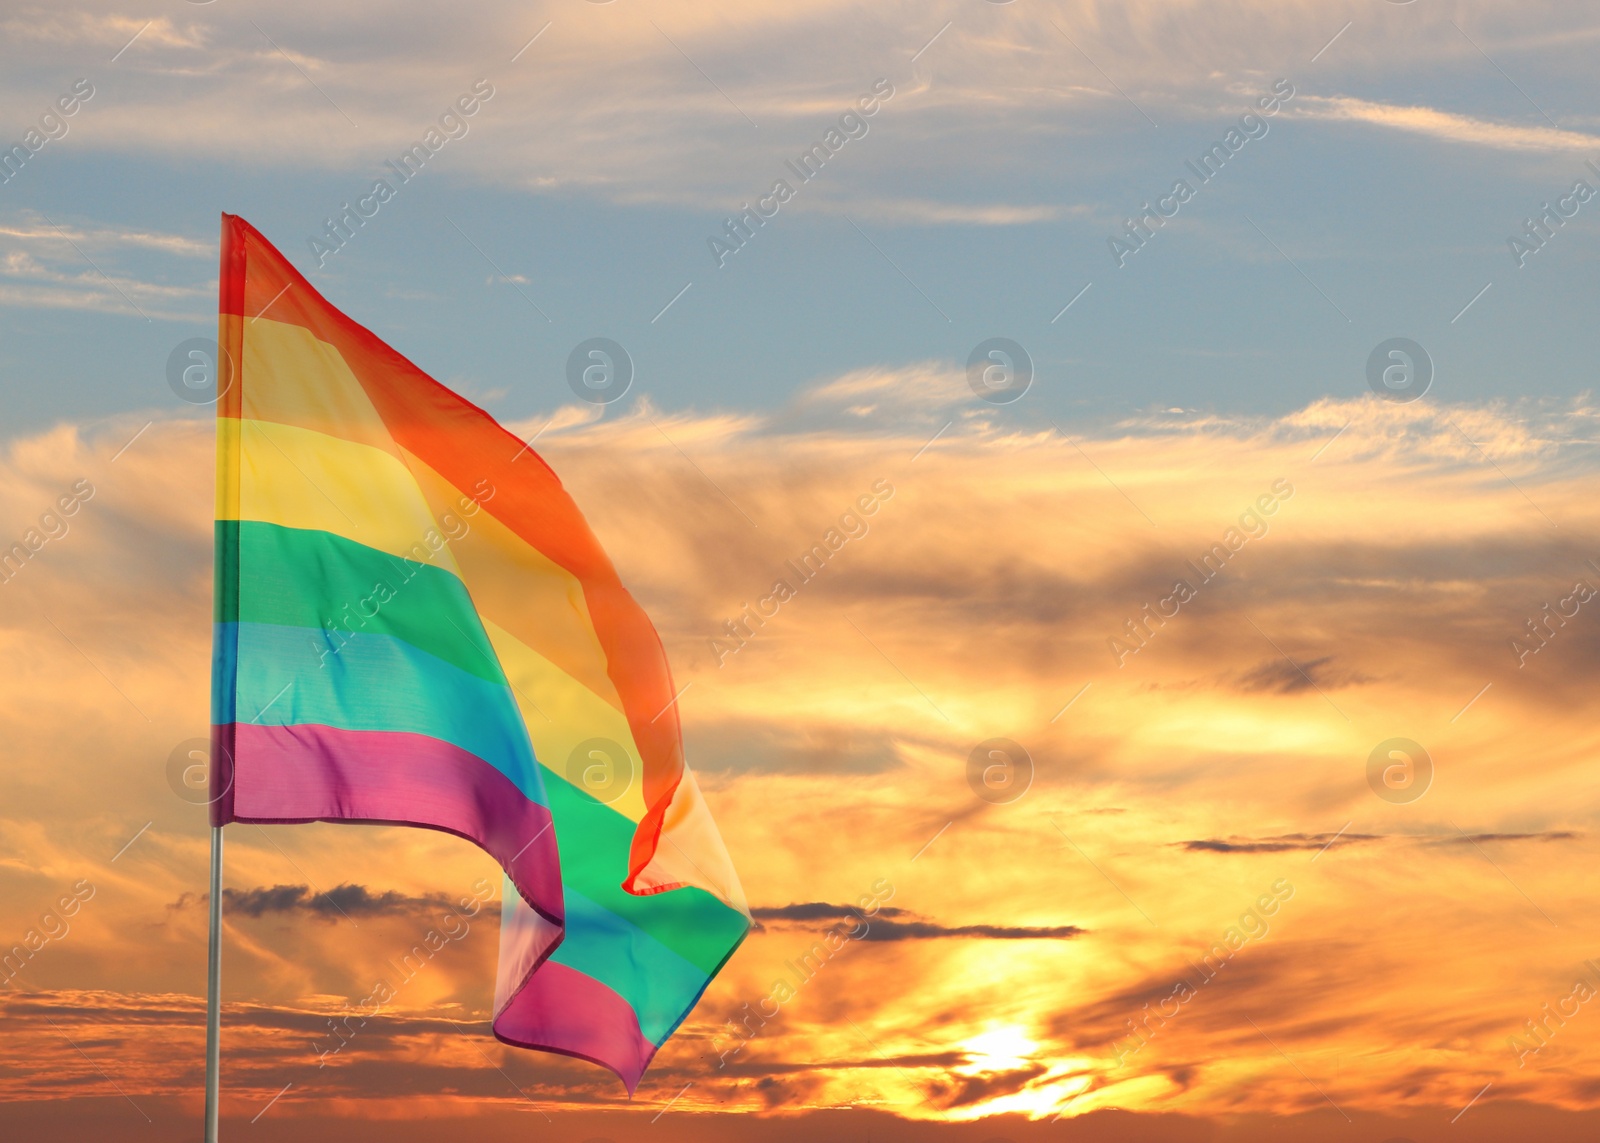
x=754, y=745
x=340, y=901
x=1287, y=843
x=1290, y=843
x=815, y=911
x=925, y=212
x=46, y=265
x=969, y=1090
x=884, y=925
x=92, y=299
x=608, y=104
x=927, y=930
x=1449, y=126
x=22, y=265
x=1476, y=838
x=90, y=1039
x=977, y=601
x=1283, y=677
x=77, y=29
x=31, y=228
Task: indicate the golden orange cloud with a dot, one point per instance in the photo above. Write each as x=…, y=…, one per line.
x=1189, y=892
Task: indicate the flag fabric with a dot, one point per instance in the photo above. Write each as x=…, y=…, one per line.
x=415, y=626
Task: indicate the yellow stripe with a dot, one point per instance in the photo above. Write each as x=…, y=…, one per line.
x=227, y=468
x=295, y=379
x=227, y=490
x=561, y=714
x=298, y=478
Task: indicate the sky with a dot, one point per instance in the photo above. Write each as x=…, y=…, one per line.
x=1292, y=850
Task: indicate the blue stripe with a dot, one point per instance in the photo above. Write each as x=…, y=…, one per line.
x=658, y=984
x=288, y=676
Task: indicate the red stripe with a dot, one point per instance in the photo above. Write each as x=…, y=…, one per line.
x=286, y=774
x=230, y=347
x=562, y=1010
x=231, y=281
x=465, y=445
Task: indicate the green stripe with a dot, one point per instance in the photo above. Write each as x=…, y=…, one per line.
x=594, y=839
x=296, y=577
x=293, y=577
x=226, y=570
x=658, y=984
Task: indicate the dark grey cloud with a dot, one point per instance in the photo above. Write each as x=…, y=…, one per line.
x=1282, y=843
x=963, y=1091
x=1476, y=838
x=1280, y=676
x=886, y=924
x=346, y=900
x=926, y=930
x=815, y=911
x=1292, y=842
x=759, y=1067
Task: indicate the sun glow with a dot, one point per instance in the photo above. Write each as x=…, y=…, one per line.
x=1002, y=1049
x=1008, y=1053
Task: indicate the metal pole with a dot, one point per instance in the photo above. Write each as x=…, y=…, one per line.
x=214, y=990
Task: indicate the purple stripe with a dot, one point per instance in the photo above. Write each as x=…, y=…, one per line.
x=286, y=774
x=562, y=1010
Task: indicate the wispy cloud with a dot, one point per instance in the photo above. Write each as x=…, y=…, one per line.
x=1448, y=126
x=1317, y=843
x=33, y=229
x=40, y=25
x=891, y=924
x=927, y=212
x=64, y=265
x=344, y=900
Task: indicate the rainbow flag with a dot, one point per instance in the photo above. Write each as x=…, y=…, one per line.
x=415, y=626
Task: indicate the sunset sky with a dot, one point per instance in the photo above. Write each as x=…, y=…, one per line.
x=1196, y=579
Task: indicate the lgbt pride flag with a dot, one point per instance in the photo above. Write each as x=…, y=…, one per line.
x=415, y=626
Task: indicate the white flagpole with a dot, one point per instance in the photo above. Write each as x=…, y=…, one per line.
x=214, y=990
